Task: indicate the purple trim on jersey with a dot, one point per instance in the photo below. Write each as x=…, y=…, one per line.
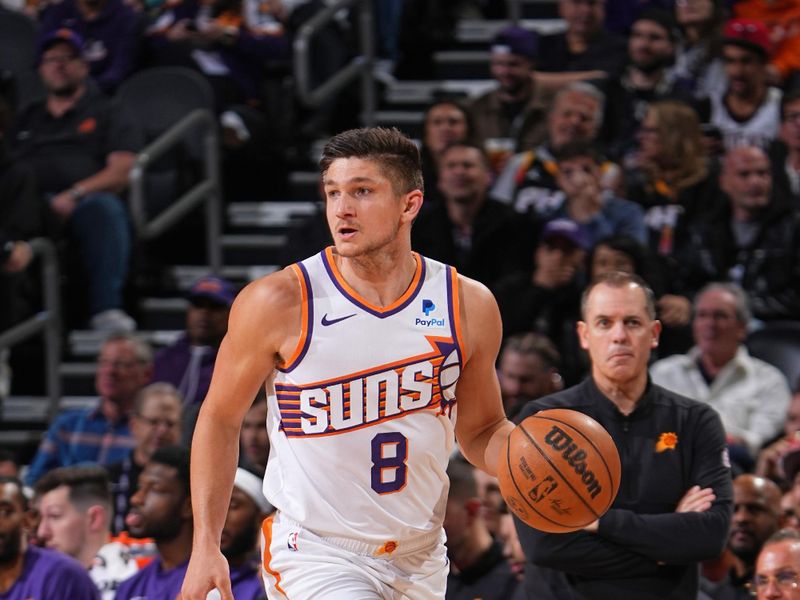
x=50, y=575
x=361, y=305
x=453, y=329
x=309, y=325
x=153, y=583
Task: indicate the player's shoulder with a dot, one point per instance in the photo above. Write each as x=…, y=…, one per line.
x=475, y=294
x=278, y=290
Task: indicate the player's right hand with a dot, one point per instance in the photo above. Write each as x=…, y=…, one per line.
x=208, y=569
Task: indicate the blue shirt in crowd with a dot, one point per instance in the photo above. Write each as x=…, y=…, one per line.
x=50, y=575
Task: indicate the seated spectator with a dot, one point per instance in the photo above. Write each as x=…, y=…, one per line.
x=491, y=499
x=747, y=111
x=253, y=437
x=445, y=122
x=785, y=154
x=479, y=236
x=187, y=363
x=770, y=461
x=528, y=181
x=776, y=567
x=600, y=212
x=750, y=395
x=9, y=463
x=753, y=239
x=241, y=535
x=155, y=423
x=515, y=110
x=99, y=434
x=527, y=369
x=75, y=507
x=756, y=516
x=478, y=568
x=27, y=571
x=162, y=509
x=81, y=150
x=780, y=18
x=512, y=549
x=112, y=32
x=698, y=67
x=585, y=47
x=546, y=298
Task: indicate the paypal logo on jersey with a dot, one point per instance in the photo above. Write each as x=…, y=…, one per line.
x=428, y=307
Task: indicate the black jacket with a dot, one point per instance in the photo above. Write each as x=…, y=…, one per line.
x=643, y=549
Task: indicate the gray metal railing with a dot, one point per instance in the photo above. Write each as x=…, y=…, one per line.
x=47, y=322
x=206, y=190
x=360, y=66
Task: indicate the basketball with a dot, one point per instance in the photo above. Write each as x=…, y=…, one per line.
x=559, y=470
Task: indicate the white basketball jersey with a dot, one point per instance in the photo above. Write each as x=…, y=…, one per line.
x=361, y=418
x=758, y=130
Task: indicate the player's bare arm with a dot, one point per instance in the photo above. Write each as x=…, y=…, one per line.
x=482, y=426
x=263, y=328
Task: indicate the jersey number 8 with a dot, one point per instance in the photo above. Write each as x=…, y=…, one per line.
x=389, y=472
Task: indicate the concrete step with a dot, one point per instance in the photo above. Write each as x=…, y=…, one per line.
x=270, y=214
x=482, y=31
x=421, y=93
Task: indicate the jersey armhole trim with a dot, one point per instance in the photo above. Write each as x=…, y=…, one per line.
x=306, y=320
x=454, y=305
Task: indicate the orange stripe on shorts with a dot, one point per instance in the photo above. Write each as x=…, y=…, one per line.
x=266, y=529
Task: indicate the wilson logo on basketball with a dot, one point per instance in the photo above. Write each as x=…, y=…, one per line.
x=575, y=456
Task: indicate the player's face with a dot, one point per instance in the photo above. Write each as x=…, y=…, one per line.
x=158, y=425
x=618, y=333
x=253, y=437
x=716, y=329
x=365, y=213
x=160, y=506
x=241, y=526
x=62, y=526
x=778, y=571
x=755, y=517
x=445, y=124
x=13, y=522
x=573, y=117
x=120, y=373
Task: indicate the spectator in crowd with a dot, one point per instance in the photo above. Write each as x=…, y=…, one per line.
x=776, y=567
x=512, y=549
x=771, y=458
x=515, y=110
x=785, y=155
x=651, y=53
x=751, y=396
x=752, y=239
x=492, y=501
x=9, y=464
x=161, y=509
x=99, y=434
x=111, y=30
x=600, y=212
x=445, y=122
x=546, y=298
x=698, y=67
x=790, y=511
x=27, y=571
x=253, y=437
x=756, y=516
x=528, y=181
x=478, y=568
x=81, y=149
x=155, y=423
x=188, y=362
x=747, y=112
x=585, y=47
x=240, y=535
x=75, y=506
x=675, y=507
x=780, y=18
x=481, y=237
x=528, y=368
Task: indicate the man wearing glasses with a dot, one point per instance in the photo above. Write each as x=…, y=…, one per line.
x=778, y=567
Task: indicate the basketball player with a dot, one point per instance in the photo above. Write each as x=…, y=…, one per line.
x=368, y=351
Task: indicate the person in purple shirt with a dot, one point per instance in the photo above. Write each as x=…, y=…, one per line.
x=161, y=509
x=28, y=572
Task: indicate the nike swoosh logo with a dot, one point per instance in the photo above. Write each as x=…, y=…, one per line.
x=325, y=321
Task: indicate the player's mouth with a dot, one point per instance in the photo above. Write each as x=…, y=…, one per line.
x=346, y=232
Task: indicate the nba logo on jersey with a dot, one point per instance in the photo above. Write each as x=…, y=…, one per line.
x=291, y=541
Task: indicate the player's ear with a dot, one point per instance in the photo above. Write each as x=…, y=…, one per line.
x=412, y=204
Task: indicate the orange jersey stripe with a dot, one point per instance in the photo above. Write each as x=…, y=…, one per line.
x=266, y=529
x=303, y=319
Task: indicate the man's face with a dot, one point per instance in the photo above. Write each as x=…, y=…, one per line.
x=778, y=571
x=618, y=333
x=715, y=328
x=512, y=549
x=160, y=505
x=63, y=526
x=607, y=260
x=464, y=176
x=523, y=377
x=649, y=46
x=693, y=12
x=756, y=516
x=580, y=176
x=13, y=522
x=491, y=500
x=746, y=179
x=120, y=373
x=445, y=124
x=62, y=69
x=573, y=117
x=512, y=71
x=158, y=424
x=790, y=125
x=583, y=17
x=745, y=70
x=206, y=322
x=253, y=437
x=364, y=212
x=241, y=526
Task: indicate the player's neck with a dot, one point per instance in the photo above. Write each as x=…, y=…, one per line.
x=380, y=277
x=624, y=394
x=11, y=571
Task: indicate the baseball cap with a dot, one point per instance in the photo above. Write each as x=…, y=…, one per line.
x=516, y=40
x=62, y=35
x=215, y=289
x=566, y=229
x=751, y=34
